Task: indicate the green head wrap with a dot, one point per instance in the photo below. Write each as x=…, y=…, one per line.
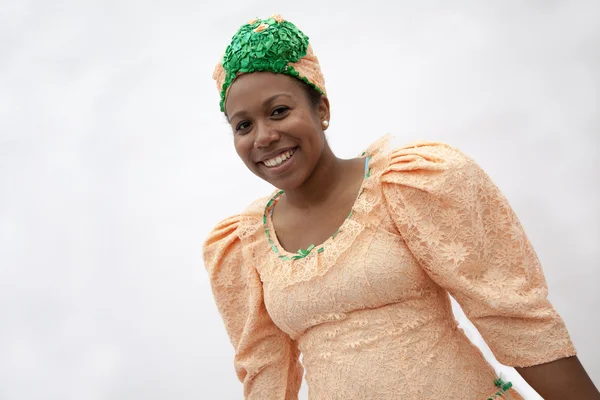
x=272, y=45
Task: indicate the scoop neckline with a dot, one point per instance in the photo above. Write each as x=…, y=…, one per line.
x=271, y=235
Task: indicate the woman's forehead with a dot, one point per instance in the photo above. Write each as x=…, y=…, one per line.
x=254, y=88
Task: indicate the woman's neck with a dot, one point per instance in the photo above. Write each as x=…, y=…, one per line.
x=329, y=176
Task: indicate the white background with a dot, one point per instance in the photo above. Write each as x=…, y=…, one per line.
x=115, y=162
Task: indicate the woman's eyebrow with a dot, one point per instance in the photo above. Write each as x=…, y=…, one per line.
x=265, y=102
x=270, y=99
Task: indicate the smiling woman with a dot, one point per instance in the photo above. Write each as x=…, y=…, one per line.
x=350, y=261
x=278, y=133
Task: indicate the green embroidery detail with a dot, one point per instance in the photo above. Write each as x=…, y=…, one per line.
x=504, y=387
x=303, y=252
x=271, y=49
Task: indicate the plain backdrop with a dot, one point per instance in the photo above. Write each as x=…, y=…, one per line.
x=115, y=163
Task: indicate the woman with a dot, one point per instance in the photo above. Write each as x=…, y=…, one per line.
x=350, y=262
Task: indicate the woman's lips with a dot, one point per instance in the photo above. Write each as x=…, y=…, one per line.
x=283, y=165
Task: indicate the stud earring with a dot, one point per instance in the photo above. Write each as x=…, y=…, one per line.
x=325, y=124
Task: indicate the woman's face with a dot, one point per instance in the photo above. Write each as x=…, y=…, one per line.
x=277, y=132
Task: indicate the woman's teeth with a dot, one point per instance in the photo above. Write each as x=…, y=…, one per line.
x=280, y=159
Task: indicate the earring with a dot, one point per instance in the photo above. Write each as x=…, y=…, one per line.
x=325, y=124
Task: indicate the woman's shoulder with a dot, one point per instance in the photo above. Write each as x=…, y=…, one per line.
x=418, y=158
x=240, y=225
x=227, y=236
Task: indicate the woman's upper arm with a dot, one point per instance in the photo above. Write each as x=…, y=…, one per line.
x=266, y=358
x=468, y=239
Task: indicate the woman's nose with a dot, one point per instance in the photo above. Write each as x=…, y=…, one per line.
x=265, y=136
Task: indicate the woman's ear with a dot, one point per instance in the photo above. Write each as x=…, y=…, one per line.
x=323, y=111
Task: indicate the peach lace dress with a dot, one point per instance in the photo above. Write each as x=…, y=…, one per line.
x=370, y=312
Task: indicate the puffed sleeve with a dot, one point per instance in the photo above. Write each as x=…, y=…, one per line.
x=266, y=358
x=462, y=230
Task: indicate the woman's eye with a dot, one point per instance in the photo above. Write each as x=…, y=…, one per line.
x=242, y=126
x=279, y=111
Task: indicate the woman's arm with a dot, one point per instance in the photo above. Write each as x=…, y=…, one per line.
x=468, y=239
x=561, y=379
x=266, y=359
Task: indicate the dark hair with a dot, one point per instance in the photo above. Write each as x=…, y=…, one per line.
x=314, y=97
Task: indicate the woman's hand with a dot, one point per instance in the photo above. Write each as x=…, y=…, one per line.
x=561, y=379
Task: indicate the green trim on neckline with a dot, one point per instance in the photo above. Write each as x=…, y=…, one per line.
x=301, y=253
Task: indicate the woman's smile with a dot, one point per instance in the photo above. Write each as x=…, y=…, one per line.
x=280, y=163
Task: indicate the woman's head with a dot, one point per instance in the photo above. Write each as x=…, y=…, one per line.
x=273, y=94
x=277, y=127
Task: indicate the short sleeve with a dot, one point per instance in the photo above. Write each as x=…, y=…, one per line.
x=266, y=358
x=467, y=238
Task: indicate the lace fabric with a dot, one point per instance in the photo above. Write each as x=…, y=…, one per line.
x=371, y=313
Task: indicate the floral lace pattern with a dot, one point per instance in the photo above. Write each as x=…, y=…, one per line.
x=371, y=314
